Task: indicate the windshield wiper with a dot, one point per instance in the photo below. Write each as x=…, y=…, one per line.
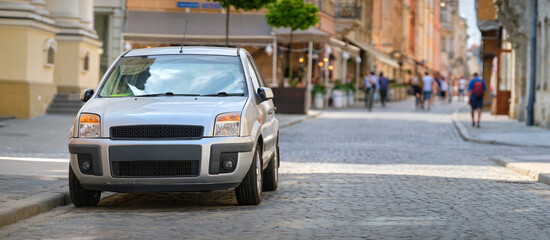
x=222, y=94
x=166, y=94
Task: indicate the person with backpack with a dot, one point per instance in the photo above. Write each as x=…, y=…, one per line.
x=383, y=89
x=476, y=91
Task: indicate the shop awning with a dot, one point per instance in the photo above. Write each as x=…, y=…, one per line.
x=301, y=36
x=203, y=28
x=380, y=55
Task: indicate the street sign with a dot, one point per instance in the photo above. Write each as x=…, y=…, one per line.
x=188, y=5
x=211, y=5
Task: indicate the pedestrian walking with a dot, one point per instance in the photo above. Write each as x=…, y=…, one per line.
x=435, y=91
x=461, y=87
x=417, y=90
x=383, y=88
x=444, y=87
x=428, y=88
x=371, y=82
x=476, y=91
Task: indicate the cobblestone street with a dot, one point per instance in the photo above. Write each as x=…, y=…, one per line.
x=395, y=172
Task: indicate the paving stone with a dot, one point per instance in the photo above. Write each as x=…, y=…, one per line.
x=394, y=173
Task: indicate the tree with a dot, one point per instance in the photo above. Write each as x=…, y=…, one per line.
x=246, y=5
x=294, y=14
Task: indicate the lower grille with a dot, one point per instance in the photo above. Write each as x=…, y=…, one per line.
x=155, y=168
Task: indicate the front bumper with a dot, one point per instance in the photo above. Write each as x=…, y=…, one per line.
x=104, y=154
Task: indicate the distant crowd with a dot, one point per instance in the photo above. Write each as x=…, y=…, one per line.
x=427, y=88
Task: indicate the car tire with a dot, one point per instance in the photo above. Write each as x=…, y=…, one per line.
x=80, y=196
x=249, y=192
x=271, y=173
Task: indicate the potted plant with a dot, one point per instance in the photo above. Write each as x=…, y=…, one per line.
x=351, y=92
x=319, y=91
x=338, y=94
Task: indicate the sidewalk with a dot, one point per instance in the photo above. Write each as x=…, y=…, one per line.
x=501, y=130
x=34, y=163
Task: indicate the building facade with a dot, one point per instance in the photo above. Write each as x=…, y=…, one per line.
x=48, y=47
x=516, y=18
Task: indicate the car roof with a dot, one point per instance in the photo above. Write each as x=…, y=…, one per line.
x=186, y=50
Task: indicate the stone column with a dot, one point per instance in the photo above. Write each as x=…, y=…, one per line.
x=26, y=76
x=77, y=44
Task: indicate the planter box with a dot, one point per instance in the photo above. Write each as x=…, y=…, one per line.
x=290, y=100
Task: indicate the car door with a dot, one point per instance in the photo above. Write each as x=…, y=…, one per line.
x=266, y=109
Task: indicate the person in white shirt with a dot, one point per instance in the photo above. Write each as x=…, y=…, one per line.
x=461, y=87
x=444, y=89
x=371, y=84
x=427, y=90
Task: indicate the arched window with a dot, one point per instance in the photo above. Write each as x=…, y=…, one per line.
x=86, y=62
x=50, y=56
x=50, y=46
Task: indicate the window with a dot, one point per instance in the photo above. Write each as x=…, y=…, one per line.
x=86, y=66
x=177, y=74
x=50, y=46
x=50, y=56
x=253, y=76
x=258, y=74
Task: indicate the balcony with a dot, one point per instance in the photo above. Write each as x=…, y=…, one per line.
x=348, y=11
x=338, y=10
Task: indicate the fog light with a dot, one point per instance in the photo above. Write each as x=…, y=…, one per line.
x=228, y=164
x=85, y=165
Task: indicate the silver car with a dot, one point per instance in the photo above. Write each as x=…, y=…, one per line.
x=165, y=119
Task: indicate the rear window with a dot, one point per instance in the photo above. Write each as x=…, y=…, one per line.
x=175, y=74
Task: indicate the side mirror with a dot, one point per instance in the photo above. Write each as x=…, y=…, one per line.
x=265, y=93
x=85, y=95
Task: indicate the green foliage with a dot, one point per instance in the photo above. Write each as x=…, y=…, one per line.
x=294, y=14
x=350, y=87
x=319, y=88
x=246, y=5
x=338, y=85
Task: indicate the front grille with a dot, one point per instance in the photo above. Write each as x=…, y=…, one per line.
x=157, y=132
x=155, y=168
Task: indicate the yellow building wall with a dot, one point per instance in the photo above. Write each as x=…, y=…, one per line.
x=13, y=42
x=70, y=76
x=26, y=84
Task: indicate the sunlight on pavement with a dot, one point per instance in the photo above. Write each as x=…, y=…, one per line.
x=427, y=170
x=26, y=159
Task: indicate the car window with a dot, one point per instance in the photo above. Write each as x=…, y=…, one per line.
x=258, y=74
x=253, y=75
x=175, y=74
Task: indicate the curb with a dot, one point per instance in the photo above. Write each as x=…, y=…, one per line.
x=31, y=206
x=465, y=135
x=509, y=163
x=308, y=117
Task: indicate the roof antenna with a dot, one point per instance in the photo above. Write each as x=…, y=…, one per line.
x=184, y=31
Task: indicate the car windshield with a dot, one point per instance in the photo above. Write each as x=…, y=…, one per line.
x=175, y=75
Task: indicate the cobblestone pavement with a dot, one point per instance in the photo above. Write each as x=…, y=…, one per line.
x=392, y=173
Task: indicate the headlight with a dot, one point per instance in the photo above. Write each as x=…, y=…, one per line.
x=88, y=126
x=227, y=124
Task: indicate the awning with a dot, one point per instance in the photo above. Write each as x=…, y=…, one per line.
x=353, y=50
x=203, y=28
x=488, y=25
x=301, y=36
x=380, y=55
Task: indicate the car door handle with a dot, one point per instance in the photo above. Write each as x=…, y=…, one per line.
x=270, y=111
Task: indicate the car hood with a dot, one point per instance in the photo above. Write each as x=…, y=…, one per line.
x=162, y=110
